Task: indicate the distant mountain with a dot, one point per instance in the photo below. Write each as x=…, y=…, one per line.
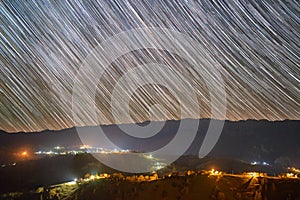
x=260, y=141
x=227, y=165
x=250, y=140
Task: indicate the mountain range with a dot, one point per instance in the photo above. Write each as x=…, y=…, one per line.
x=251, y=140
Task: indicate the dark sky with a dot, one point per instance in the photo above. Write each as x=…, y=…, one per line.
x=253, y=45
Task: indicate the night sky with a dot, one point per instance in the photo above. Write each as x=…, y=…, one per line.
x=44, y=43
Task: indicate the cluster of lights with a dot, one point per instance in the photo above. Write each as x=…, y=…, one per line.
x=190, y=172
x=58, y=150
x=95, y=177
x=291, y=175
x=158, y=166
x=22, y=155
x=85, y=147
x=260, y=163
x=253, y=174
x=55, y=152
x=214, y=172
x=8, y=165
x=140, y=178
x=88, y=179
x=293, y=169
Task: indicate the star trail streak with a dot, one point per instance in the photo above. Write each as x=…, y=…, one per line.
x=43, y=44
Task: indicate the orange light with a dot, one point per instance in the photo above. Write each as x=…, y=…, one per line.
x=24, y=153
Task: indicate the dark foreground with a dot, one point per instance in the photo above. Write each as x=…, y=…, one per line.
x=196, y=186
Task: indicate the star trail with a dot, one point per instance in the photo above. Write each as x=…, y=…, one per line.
x=44, y=43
